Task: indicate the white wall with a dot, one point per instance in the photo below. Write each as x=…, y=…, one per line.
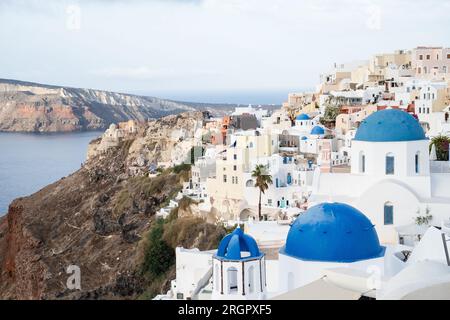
x=191, y=267
x=295, y=273
x=404, y=152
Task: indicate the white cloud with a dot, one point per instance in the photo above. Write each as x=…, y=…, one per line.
x=206, y=44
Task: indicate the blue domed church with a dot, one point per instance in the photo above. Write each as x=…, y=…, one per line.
x=391, y=179
x=327, y=235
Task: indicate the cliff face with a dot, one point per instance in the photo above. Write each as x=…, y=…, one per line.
x=96, y=219
x=30, y=107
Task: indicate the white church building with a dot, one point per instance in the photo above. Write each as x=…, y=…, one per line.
x=332, y=251
x=391, y=178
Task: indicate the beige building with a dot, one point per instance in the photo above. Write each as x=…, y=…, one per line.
x=226, y=189
x=351, y=120
x=398, y=58
x=130, y=126
x=378, y=67
x=431, y=62
x=432, y=98
x=278, y=120
x=339, y=78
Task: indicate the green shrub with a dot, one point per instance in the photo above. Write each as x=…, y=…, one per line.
x=190, y=231
x=158, y=255
x=442, y=147
x=182, y=167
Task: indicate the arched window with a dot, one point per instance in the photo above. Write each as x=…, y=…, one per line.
x=388, y=213
x=249, y=183
x=232, y=274
x=417, y=162
x=362, y=162
x=390, y=163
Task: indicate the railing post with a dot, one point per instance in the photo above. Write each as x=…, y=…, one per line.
x=444, y=241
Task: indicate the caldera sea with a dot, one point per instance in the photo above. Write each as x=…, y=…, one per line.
x=29, y=162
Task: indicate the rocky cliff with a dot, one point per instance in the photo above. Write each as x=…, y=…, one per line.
x=99, y=219
x=31, y=107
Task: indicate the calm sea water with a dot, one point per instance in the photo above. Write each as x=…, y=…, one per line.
x=28, y=162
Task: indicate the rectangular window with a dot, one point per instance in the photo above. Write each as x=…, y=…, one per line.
x=388, y=214
x=235, y=168
x=363, y=163
x=225, y=178
x=420, y=57
x=428, y=57
x=389, y=165
x=417, y=163
x=236, y=179
x=235, y=157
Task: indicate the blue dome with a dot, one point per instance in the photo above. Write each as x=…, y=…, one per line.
x=303, y=116
x=304, y=138
x=317, y=130
x=333, y=232
x=234, y=244
x=390, y=125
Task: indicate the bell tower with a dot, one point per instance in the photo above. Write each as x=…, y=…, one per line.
x=239, y=269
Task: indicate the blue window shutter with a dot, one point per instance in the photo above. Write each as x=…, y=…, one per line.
x=388, y=214
x=389, y=165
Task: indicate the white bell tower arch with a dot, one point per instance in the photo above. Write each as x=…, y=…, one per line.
x=239, y=269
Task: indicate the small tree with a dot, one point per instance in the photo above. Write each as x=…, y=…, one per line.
x=331, y=113
x=263, y=180
x=441, y=144
x=423, y=220
x=292, y=114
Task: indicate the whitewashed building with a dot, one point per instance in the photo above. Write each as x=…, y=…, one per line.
x=391, y=179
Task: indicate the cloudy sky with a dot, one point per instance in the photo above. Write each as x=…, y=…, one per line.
x=206, y=49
